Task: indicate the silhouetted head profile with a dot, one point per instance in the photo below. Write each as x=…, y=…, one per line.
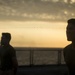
x=70, y=30
x=5, y=39
x=71, y=21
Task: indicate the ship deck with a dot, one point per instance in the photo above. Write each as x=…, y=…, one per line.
x=43, y=70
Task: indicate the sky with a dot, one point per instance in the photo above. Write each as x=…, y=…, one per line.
x=35, y=33
x=36, y=23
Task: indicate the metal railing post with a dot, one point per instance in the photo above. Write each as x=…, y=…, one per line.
x=59, y=57
x=31, y=57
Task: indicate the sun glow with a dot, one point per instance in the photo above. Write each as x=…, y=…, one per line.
x=35, y=33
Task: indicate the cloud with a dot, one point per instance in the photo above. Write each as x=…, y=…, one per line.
x=35, y=10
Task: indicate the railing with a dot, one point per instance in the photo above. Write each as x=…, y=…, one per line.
x=40, y=56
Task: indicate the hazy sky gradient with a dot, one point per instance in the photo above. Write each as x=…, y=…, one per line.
x=36, y=23
x=36, y=33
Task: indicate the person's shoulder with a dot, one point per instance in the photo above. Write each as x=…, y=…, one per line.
x=0, y=47
x=68, y=46
x=11, y=48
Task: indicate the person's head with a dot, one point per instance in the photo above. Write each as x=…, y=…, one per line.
x=70, y=30
x=5, y=39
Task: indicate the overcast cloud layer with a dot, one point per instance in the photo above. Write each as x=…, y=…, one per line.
x=25, y=10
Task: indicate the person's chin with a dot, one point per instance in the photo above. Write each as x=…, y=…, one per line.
x=68, y=39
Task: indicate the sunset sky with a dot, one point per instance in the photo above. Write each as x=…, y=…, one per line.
x=36, y=23
x=35, y=33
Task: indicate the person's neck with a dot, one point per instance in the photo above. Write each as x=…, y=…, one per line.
x=73, y=45
x=6, y=45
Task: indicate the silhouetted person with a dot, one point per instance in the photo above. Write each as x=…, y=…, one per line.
x=8, y=60
x=69, y=51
